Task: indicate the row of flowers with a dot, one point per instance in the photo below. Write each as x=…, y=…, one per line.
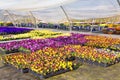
x=37, y=44
x=58, y=39
x=38, y=62
x=103, y=42
x=95, y=41
x=49, y=59
x=34, y=34
x=13, y=30
x=112, y=30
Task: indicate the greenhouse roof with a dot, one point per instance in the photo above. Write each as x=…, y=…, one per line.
x=43, y=4
x=31, y=4
x=50, y=11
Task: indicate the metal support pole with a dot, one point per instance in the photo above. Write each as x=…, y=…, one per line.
x=92, y=24
x=4, y=18
x=35, y=22
x=70, y=22
x=20, y=21
x=118, y=2
x=10, y=16
x=17, y=20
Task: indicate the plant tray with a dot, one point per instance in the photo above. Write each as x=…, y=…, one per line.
x=22, y=70
x=96, y=63
x=2, y=51
x=51, y=74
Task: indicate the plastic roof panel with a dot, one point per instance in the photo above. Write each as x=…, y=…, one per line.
x=31, y=4
x=50, y=11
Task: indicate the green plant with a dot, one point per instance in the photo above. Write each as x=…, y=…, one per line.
x=24, y=50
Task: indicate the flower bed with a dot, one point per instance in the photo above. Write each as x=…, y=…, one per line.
x=47, y=56
x=37, y=44
x=70, y=46
x=103, y=42
x=88, y=54
x=57, y=53
x=13, y=30
x=74, y=39
x=51, y=61
x=51, y=73
x=38, y=34
x=34, y=34
x=41, y=62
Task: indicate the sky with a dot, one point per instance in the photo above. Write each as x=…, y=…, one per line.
x=49, y=10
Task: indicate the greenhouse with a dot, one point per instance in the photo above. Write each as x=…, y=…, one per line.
x=59, y=39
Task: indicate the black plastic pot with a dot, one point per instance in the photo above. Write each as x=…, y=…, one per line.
x=12, y=51
x=3, y=51
x=72, y=58
x=22, y=70
x=25, y=52
x=81, y=60
x=25, y=70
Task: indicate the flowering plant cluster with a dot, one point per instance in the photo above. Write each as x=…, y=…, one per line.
x=16, y=60
x=90, y=53
x=58, y=40
x=13, y=30
x=43, y=61
x=102, y=42
x=50, y=59
x=37, y=44
x=33, y=34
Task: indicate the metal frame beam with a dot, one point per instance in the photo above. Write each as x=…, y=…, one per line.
x=34, y=19
x=118, y=1
x=70, y=22
x=10, y=16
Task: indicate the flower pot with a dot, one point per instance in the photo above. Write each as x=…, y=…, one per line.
x=25, y=70
x=12, y=51
x=23, y=50
x=104, y=64
x=90, y=62
x=72, y=58
x=82, y=60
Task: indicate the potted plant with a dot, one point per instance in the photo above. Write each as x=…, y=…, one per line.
x=24, y=50
x=71, y=57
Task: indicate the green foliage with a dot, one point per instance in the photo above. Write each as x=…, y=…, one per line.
x=24, y=50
